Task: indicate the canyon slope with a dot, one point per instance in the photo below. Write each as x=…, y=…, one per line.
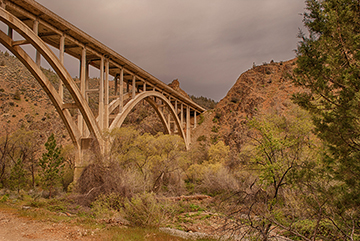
x=262, y=89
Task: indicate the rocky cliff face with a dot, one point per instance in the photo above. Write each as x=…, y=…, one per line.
x=175, y=84
x=259, y=90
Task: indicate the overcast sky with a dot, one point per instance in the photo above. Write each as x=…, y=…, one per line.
x=206, y=44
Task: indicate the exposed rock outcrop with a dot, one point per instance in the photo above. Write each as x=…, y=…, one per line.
x=175, y=84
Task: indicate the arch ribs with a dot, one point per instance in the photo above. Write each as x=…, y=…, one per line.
x=117, y=96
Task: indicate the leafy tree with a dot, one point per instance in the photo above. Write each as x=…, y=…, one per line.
x=280, y=147
x=51, y=164
x=26, y=149
x=122, y=140
x=6, y=147
x=20, y=144
x=156, y=160
x=219, y=153
x=166, y=164
x=328, y=67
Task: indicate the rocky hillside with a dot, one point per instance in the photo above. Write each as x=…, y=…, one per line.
x=261, y=89
x=24, y=104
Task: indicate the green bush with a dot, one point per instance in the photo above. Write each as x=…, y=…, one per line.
x=201, y=120
x=37, y=203
x=4, y=198
x=201, y=138
x=215, y=129
x=106, y=206
x=144, y=210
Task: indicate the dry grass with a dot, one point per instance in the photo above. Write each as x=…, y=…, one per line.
x=95, y=229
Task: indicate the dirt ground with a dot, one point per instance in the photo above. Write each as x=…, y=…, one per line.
x=15, y=228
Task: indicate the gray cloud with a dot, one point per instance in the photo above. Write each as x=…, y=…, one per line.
x=206, y=44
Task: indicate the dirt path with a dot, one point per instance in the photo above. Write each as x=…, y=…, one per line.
x=15, y=228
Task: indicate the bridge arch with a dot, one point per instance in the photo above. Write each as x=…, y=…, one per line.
x=33, y=39
x=150, y=96
x=41, y=28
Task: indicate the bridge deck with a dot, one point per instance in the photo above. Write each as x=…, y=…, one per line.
x=52, y=27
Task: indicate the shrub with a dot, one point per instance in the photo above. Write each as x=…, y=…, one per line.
x=218, y=115
x=215, y=129
x=106, y=206
x=201, y=138
x=216, y=180
x=17, y=95
x=201, y=120
x=4, y=198
x=214, y=139
x=234, y=100
x=99, y=179
x=67, y=178
x=144, y=210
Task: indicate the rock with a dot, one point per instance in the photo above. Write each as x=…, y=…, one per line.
x=175, y=84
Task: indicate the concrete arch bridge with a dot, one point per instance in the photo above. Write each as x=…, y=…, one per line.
x=31, y=24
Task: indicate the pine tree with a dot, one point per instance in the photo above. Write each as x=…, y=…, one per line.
x=328, y=66
x=51, y=164
x=18, y=175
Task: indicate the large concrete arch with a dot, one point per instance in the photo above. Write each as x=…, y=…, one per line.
x=148, y=95
x=45, y=84
x=42, y=28
x=14, y=23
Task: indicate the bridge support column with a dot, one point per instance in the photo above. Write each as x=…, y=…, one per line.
x=182, y=116
x=82, y=88
x=195, y=119
x=188, y=125
x=36, y=31
x=106, y=106
x=176, y=112
x=133, y=88
x=87, y=87
x=61, y=58
x=121, y=104
x=101, y=95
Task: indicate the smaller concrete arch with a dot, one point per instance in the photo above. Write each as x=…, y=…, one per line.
x=147, y=95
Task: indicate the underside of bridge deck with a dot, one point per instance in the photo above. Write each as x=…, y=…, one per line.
x=40, y=28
